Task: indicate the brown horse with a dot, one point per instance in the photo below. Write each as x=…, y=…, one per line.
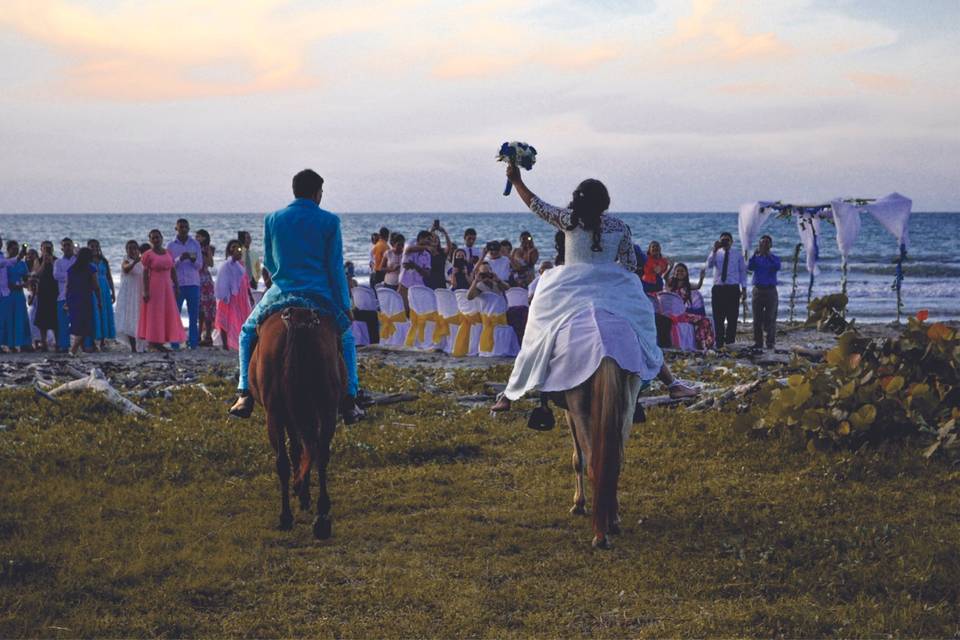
x=600, y=413
x=297, y=374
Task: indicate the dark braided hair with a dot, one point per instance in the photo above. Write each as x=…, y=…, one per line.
x=559, y=243
x=589, y=202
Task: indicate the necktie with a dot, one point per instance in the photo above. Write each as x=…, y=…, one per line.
x=726, y=261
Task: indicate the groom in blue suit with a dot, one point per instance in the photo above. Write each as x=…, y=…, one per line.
x=303, y=252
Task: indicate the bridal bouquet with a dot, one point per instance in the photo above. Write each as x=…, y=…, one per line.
x=517, y=153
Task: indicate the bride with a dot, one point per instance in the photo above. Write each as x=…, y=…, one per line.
x=592, y=307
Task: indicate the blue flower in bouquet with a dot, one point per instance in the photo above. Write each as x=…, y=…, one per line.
x=517, y=153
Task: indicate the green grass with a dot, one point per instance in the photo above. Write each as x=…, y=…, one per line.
x=448, y=523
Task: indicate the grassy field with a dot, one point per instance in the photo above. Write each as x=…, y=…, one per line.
x=448, y=523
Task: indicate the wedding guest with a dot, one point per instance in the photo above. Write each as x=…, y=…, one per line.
x=233, y=297
x=208, y=298
x=104, y=322
x=729, y=284
x=61, y=270
x=473, y=252
x=251, y=259
x=13, y=303
x=379, y=249
x=130, y=296
x=159, y=321
x=372, y=261
x=696, y=314
x=485, y=280
x=459, y=277
x=30, y=289
x=83, y=292
x=545, y=266
x=416, y=265
x=46, y=296
x=765, y=264
x=438, y=258
x=524, y=259
x=186, y=253
x=654, y=269
x=350, y=271
x=392, y=261
x=499, y=264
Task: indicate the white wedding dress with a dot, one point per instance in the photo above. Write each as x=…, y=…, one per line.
x=592, y=307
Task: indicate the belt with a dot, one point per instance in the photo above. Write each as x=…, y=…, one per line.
x=765, y=286
x=727, y=285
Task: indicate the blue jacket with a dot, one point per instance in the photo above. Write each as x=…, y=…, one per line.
x=303, y=252
x=764, y=269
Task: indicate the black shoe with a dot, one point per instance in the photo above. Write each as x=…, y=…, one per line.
x=350, y=412
x=243, y=407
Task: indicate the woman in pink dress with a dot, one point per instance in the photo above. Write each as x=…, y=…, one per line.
x=233, y=296
x=159, y=321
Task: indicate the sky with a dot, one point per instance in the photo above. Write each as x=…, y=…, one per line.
x=677, y=105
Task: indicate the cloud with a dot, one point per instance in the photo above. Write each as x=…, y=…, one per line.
x=184, y=49
x=888, y=83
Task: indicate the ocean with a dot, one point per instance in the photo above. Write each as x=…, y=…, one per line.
x=931, y=274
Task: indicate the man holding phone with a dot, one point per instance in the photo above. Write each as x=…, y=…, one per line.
x=729, y=285
x=186, y=251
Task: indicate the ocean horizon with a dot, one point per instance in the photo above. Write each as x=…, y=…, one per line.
x=931, y=273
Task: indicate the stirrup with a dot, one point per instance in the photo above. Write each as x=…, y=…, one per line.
x=541, y=418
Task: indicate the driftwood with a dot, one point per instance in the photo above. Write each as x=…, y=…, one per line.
x=375, y=398
x=98, y=382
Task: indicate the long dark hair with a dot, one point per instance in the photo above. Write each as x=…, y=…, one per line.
x=84, y=259
x=676, y=283
x=589, y=202
x=559, y=243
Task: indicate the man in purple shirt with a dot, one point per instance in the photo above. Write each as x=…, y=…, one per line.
x=766, y=302
x=186, y=251
x=60, y=268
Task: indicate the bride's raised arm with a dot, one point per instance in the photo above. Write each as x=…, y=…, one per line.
x=555, y=216
x=626, y=255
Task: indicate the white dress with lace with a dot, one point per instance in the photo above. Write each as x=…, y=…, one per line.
x=591, y=307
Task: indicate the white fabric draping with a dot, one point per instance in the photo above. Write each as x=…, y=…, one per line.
x=750, y=222
x=809, y=229
x=893, y=212
x=846, y=216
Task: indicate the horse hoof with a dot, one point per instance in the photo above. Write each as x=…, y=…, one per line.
x=578, y=510
x=286, y=522
x=322, y=527
x=602, y=543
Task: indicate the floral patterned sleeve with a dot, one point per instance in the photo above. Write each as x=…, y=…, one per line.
x=555, y=216
x=626, y=256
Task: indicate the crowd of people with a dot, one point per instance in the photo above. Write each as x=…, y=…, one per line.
x=435, y=261
x=69, y=303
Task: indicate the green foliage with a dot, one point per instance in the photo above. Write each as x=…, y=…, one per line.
x=827, y=313
x=873, y=390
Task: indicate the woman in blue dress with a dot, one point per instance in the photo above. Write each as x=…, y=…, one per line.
x=17, y=316
x=104, y=323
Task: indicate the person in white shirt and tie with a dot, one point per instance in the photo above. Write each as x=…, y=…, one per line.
x=729, y=285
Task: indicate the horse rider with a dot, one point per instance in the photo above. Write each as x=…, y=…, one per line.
x=303, y=252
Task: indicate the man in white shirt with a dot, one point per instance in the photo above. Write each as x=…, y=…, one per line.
x=500, y=264
x=473, y=252
x=729, y=285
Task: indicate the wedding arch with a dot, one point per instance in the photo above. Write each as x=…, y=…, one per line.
x=891, y=211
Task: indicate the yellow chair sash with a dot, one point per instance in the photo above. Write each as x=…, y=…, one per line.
x=441, y=327
x=490, y=320
x=388, y=325
x=418, y=326
x=461, y=345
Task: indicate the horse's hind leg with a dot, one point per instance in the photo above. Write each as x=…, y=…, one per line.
x=323, y=523
x=579, y=497
x=283, y=471
x=300, y=459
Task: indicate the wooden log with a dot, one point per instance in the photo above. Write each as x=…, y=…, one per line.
x=98, y=382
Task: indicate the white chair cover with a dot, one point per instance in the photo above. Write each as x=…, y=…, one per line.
x=447, y=308
x=423, y=301
x=504, y=337
x=682, y=334
x=392, y=304
x=365, y=298
x=469, y=307
x=517, y=297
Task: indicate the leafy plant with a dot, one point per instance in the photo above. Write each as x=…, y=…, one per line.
x=873, y=390
x=827, y=313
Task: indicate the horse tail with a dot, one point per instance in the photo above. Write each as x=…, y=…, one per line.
x=606, y=417
x=299, y=391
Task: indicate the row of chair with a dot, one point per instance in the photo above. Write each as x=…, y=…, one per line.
x=441, y=319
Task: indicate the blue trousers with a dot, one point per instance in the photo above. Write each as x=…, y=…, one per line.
x=248, y=339
x=191, y=294
x=63, y=326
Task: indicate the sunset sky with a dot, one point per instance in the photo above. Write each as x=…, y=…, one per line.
x=208, y=106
